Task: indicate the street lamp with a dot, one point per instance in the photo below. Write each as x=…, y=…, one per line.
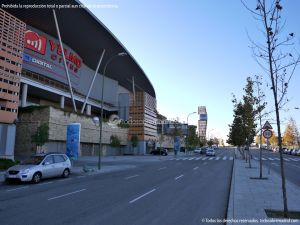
x=187, y=122
x=102, y=93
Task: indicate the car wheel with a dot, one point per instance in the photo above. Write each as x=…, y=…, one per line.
x=36, y=178
x=66, y=173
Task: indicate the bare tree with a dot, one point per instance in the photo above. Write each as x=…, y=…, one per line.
x=278, y=58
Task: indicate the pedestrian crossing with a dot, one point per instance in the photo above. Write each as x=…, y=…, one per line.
x=224, y=158
x=277, y=159
x=204, y=158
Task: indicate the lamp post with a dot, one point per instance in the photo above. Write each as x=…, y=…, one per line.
x=187, y=132
x=102, y=93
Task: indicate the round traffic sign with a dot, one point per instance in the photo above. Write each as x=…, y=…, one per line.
x=267, y=134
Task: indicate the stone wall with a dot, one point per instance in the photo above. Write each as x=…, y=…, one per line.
x=58, y=120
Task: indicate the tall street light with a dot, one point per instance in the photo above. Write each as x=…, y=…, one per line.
x=187, y=122
x=102, y=93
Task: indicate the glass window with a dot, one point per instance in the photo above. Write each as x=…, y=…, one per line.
x=59, y=158
x=49, y=159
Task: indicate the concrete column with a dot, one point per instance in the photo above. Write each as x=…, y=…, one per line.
x=24, y=95
x=88, y=110
x=62, y=102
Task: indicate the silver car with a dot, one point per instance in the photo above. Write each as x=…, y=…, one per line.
x=40, y=166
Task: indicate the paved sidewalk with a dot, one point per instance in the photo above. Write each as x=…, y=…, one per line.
x=250, y=197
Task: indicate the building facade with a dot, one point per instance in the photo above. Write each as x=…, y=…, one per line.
x=12, y=31
x=38, y=75
x=202, y=122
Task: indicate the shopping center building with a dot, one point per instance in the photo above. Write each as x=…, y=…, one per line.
x=36, y=71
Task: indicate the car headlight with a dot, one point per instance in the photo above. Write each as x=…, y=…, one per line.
x=25, y=171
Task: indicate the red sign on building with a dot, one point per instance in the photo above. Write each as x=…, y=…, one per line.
x=35, y=42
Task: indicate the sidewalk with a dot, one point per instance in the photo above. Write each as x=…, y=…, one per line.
x=250, y=197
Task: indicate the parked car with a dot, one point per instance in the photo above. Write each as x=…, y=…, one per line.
x=40, y=166
x=210, y=152
x=203, y=150
x=197, y=150
x=159, y=152
x=298, y=152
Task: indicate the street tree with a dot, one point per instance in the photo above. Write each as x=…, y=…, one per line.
x=40, y=137
x=278, y=58
x=192, y=138
x=291, y=134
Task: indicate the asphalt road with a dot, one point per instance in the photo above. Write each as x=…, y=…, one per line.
x=272, y=161
x=188, y=190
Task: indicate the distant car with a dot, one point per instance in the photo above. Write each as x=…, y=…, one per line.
x=293, y=152
x=159, y=152
x=203, y=150
x=298, y=152
x=197, y=150
x=210, y=152
x=40, y=166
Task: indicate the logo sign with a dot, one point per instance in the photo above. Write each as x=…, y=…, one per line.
x=267, y=134
x=73, y=140
x=30, y=59
x=267, y=126
x=35, y=42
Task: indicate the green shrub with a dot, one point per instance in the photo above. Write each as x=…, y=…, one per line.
x=6, y=163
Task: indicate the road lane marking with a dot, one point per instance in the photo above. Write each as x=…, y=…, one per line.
x=198, y=158
x=263, y=159
x=286, y=159
x=149, y=192
x=133, y=176
x=176, y=178
x=224, y=158
x=16, y=189
x=255, y=158
x=191, y=158
x=231, y=158
x=162, y=168
x=271, y=159
x=211, y=158
x=50, y=182
x=217, y=158
x=204, y=158
x=71, y=193
x=197, y=167
x=295, y=160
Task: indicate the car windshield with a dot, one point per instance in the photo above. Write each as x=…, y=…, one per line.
x=33, y=160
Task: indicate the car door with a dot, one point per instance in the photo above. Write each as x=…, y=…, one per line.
x=60, y=164
x=48, y=167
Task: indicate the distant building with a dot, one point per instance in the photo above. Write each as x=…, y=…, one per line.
x=202, y=122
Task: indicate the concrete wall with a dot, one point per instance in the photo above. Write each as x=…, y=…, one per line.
x=58, y=121
x=7, y=140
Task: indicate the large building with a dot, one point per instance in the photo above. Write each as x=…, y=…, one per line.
x=39, y=73
x=202, y=122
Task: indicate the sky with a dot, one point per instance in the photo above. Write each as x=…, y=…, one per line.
x=196, y=53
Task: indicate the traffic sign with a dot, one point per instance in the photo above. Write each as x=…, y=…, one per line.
x=267, y=126
x=267, y=134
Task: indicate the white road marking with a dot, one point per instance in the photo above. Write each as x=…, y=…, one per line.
x=191, y=158
x=197, y=167
x=255, y=158
x=198, y=158
x=50, y=182
x=295, y=160
x=276, y=159
x=286, y=159
x=271, y=159
x=217, y=158
x=71, y=193
x=176, y=178
x=204, y=158
x=263, y=159
x=162, y=168
x=16, y=189
x=231, y=158
x=149, y=192
x=133, y=176
x=224, y=158
x=211, y=158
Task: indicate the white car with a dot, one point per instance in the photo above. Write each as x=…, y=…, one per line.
x=197, y=150
x=40, y=166
x=210, y=152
